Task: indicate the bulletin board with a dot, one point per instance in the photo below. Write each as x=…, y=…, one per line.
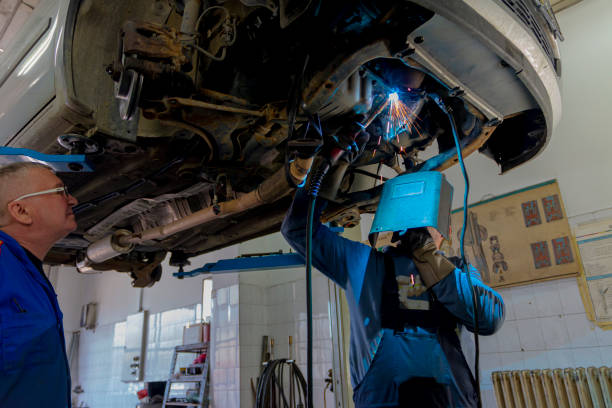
x=594, y=241
x=518, y=238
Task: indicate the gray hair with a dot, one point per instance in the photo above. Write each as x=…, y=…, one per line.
x=12, y=170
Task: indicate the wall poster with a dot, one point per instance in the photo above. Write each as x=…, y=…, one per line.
x=518, y=238
x=594, y=241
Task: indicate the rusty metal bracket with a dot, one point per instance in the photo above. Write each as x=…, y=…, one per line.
x=149, y=40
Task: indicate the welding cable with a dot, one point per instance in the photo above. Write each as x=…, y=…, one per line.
x=311, y=207
x=313, y=192
x=464, y=263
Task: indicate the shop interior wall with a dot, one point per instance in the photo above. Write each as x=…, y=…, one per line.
x=171, y=304
x=546, y=325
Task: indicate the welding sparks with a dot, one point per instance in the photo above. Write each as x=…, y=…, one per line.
x=400, y=118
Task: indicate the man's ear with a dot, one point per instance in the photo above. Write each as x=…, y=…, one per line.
x=20, y=213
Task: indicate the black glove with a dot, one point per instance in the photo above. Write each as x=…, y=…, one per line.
x=431, y=264
x=412, y=239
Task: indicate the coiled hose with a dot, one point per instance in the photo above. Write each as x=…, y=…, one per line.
x=272, y=386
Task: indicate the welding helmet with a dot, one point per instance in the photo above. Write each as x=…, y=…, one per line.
x=414, y=200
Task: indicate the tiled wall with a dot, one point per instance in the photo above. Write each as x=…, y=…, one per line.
x=279, y=311
x=101, y=355
x=100, y=358
x=545, y=327
x=225, y=355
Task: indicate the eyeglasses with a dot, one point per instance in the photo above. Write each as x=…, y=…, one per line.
x=61, y=189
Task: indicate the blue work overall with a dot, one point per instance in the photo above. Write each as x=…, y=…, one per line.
x=420, y=362
x=33, y=366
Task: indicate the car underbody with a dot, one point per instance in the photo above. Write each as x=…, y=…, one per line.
x=183, y=108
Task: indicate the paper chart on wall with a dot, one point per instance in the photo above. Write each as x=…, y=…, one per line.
x=518, y=238
x=595, y=244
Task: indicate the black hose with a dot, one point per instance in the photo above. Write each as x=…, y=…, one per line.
x=311, y=206
x=272, y=383
x=313, y=192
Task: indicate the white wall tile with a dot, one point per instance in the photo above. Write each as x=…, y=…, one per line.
x=604, y=337
x=488, y=344
x=226, y=357
x=554, y=330
x=512, y=361
x=299, y=310
x=233, y=399
x=252, y=334
x=221, y=295
x=530, y=335
x=536, y=360
x=508, y=337
x=606, y=355
x=253, y=314
x=548, y=301
x=321, y=328
x=523, y=302
x=581, y=331
x=586, y=357
x=299, y=292
x=570, y=296
x=488, y=364
x=560, y=358
x=251, y=295
x=250, y=356
x=488, y=398
x=234, y=295
x=277, y=294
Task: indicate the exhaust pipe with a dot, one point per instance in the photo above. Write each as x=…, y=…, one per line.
x=272, y=189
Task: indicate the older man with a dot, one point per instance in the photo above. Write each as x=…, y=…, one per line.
x=35, y=212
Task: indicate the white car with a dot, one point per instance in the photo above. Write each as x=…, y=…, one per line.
x=181, y=109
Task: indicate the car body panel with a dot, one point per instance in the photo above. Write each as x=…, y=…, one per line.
x=219, y=133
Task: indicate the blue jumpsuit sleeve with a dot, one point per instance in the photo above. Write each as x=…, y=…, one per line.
x=336, y=257
x=454, y=293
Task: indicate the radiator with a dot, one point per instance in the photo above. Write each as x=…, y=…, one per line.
x=563, y=388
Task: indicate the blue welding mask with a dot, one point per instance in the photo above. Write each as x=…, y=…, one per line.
x=414, y=200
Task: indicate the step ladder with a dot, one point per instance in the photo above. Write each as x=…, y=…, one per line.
x=202, y=379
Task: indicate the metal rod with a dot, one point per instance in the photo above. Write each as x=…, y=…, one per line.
x=376, y=113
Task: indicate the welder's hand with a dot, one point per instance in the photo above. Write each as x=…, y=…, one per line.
x=432, y=265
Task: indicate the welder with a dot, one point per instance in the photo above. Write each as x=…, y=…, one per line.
x=407, y=304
